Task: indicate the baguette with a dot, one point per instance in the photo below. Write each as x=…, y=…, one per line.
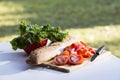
x=46, y=53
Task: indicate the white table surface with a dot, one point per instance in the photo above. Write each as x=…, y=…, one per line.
x=14, y=67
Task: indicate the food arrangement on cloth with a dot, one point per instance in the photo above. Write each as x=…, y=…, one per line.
x=50, y=47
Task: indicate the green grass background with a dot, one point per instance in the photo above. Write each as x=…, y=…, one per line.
x=97, y=22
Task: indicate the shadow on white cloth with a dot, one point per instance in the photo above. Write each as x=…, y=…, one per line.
x=11, y=63
x=15, y=62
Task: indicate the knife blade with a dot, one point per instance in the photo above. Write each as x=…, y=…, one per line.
x=98, y=52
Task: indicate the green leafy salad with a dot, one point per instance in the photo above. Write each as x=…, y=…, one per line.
x=35, y=33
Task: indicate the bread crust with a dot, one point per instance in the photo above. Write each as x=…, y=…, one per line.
x=44, y=54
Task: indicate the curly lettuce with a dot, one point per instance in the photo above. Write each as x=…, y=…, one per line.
x=35, y=33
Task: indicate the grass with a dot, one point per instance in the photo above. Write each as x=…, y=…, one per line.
x=93, y=21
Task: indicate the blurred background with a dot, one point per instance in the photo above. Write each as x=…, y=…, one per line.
x=96, y=22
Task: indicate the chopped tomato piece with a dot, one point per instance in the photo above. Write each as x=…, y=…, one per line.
x=74, y=54
x=74, y=45
x=68, y=48
x=86, y=55
x=72, y=51
x=61, y=60
x=92, y=50
x=82, y=51
x=78, y=48
x=75, y=59
x=85, y=50
x=65, y=53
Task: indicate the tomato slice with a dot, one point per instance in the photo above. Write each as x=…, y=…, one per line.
x=68, y=48
x=82, y=51
x=65, y=53
x=74, y=45
x=86, y=55
x=74, y=54
x=72, y=51
x=78, y=48
x=75, y=59
x=92, y=50
x=61, y=60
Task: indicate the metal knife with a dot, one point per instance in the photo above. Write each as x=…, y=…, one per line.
x=98, y=52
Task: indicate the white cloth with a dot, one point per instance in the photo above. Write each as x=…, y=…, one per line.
x=14, y=67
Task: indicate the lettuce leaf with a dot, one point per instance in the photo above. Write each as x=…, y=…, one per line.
x=35, y=33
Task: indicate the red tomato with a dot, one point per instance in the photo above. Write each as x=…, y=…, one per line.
x=72, y=51
x=65, y=53
x=75, y=59
x=68, y=48
x=61, y=60
x=78, y=48
x=92, y=50
x=82, y=51
x=86, y=55
x=74, y=45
